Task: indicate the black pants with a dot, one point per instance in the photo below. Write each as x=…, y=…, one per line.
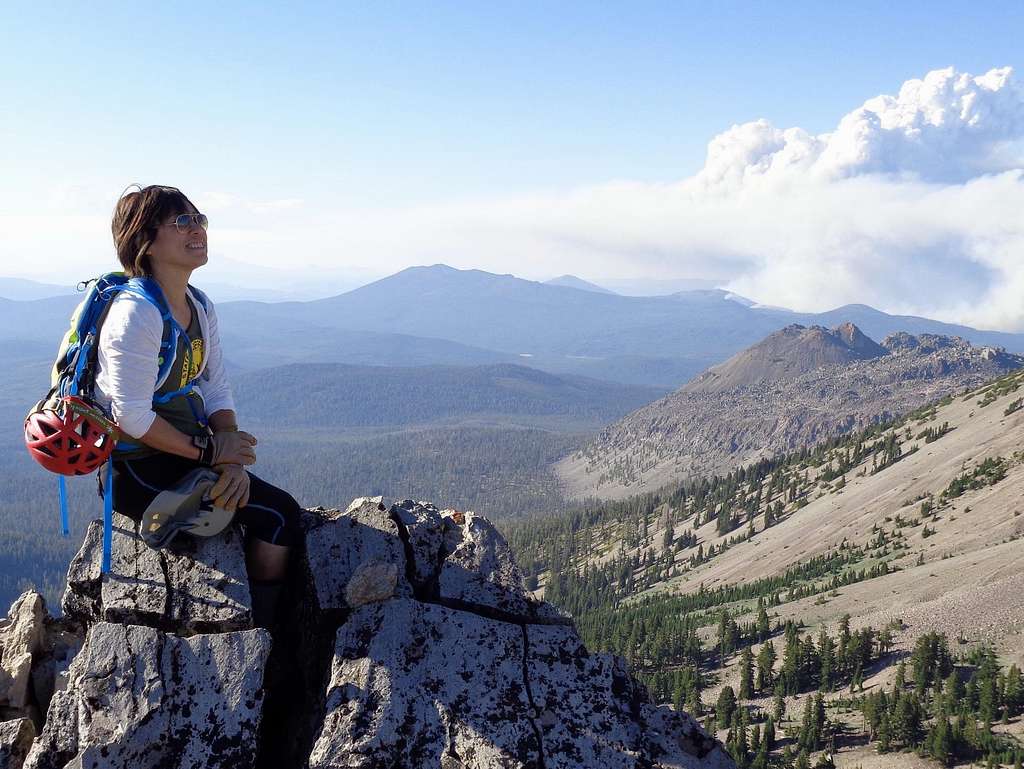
x=271, y=514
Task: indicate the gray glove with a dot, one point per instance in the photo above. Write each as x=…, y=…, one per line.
x=228, y=447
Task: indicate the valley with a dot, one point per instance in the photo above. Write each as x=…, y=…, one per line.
x=912, y=527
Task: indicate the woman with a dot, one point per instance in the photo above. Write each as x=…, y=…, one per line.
x=160, y=234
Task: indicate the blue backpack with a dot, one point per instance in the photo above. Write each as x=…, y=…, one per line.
x=74, y=371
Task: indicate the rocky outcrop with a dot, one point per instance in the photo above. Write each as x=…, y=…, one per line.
x=199, y=586
x=140, y=697
x=410, y=640
x=795, y=388
x=15, y=741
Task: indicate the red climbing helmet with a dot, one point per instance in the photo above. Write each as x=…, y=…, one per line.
x=69, y=436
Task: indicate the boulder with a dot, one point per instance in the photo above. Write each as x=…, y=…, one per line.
x=21, y=637
x=419, y=684
x=199, y=586
x=413, y=682
x=409, y=640
x=593, y=713
x=63, y=640
x=460, y=558
x=15, y=742
x=139, y=698
x=480, y=569
x=338, y=544
x=428, y=537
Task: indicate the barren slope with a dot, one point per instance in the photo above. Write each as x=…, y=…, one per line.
x=794, y=388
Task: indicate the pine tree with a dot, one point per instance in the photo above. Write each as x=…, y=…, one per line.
x=1014, y=692
x=725, y=707
x=778, y=706
x=723, y=637
x=741, y=750
x=940, y=742
x=769, y=734
x=807, y=738
x=763, y=628
x=760, y=760
x=819, y=720
x=746, y=674
x=826, y=652
x=791, y=666
x=884, y=734
x=901, y=677
x=952, y=693
x=765, y=667
x=694, y=705
x=842, y=646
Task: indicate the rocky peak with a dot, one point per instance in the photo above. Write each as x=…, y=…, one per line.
x=858, y=341
x=786, y=354
x=796, y=387
x=410, y=641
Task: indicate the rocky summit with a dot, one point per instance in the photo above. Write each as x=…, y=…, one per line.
x=409, y=641
x=796, y=387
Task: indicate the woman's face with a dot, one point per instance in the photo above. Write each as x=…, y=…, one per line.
x=178, y=250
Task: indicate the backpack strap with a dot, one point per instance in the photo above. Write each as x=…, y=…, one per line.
x=150, y=290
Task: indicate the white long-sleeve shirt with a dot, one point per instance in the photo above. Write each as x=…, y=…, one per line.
x=128, y=361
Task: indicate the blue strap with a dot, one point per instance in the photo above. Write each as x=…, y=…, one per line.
x=148, y=289
x=62, y=492
x=166, y=397
x=108, y=516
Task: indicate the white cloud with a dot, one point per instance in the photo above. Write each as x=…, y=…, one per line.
x=913, y=204
x=945, y=127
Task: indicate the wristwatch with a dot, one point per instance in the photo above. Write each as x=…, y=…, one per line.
x=205, y=446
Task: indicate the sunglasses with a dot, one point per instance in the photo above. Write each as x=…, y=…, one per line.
x=185, y=222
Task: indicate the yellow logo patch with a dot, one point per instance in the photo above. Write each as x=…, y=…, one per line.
x=188, y=373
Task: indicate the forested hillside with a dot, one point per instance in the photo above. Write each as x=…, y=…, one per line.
x=342, y=396
x=781, y=597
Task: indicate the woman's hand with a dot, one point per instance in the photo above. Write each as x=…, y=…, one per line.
x=233, y=447
x=231, y=491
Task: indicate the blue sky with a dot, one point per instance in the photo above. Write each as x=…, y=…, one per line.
x=399, y=102
x=340, y=110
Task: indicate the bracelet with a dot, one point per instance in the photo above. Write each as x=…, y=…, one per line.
x=227, y=429
x=207, y=456
x=206, y=448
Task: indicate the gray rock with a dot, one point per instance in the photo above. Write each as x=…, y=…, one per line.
x=418, y=684
x=371, y=582
x=21, y=637
x=64, y=639
x=481, y=570
x=414, y=682
x=594, y=714
x=436, y=655
x=199, y=586
x=426, y=532
x=139, y=698
x=339, y=543
x=15, y=741
x=460, y=559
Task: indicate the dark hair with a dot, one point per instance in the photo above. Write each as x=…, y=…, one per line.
x=136, y=218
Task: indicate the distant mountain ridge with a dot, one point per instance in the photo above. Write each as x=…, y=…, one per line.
x=794, y=388
x=573, y=282
x=21, y=289
x=439, y=314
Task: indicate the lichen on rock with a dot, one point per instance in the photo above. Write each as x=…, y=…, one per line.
x=409, y=640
